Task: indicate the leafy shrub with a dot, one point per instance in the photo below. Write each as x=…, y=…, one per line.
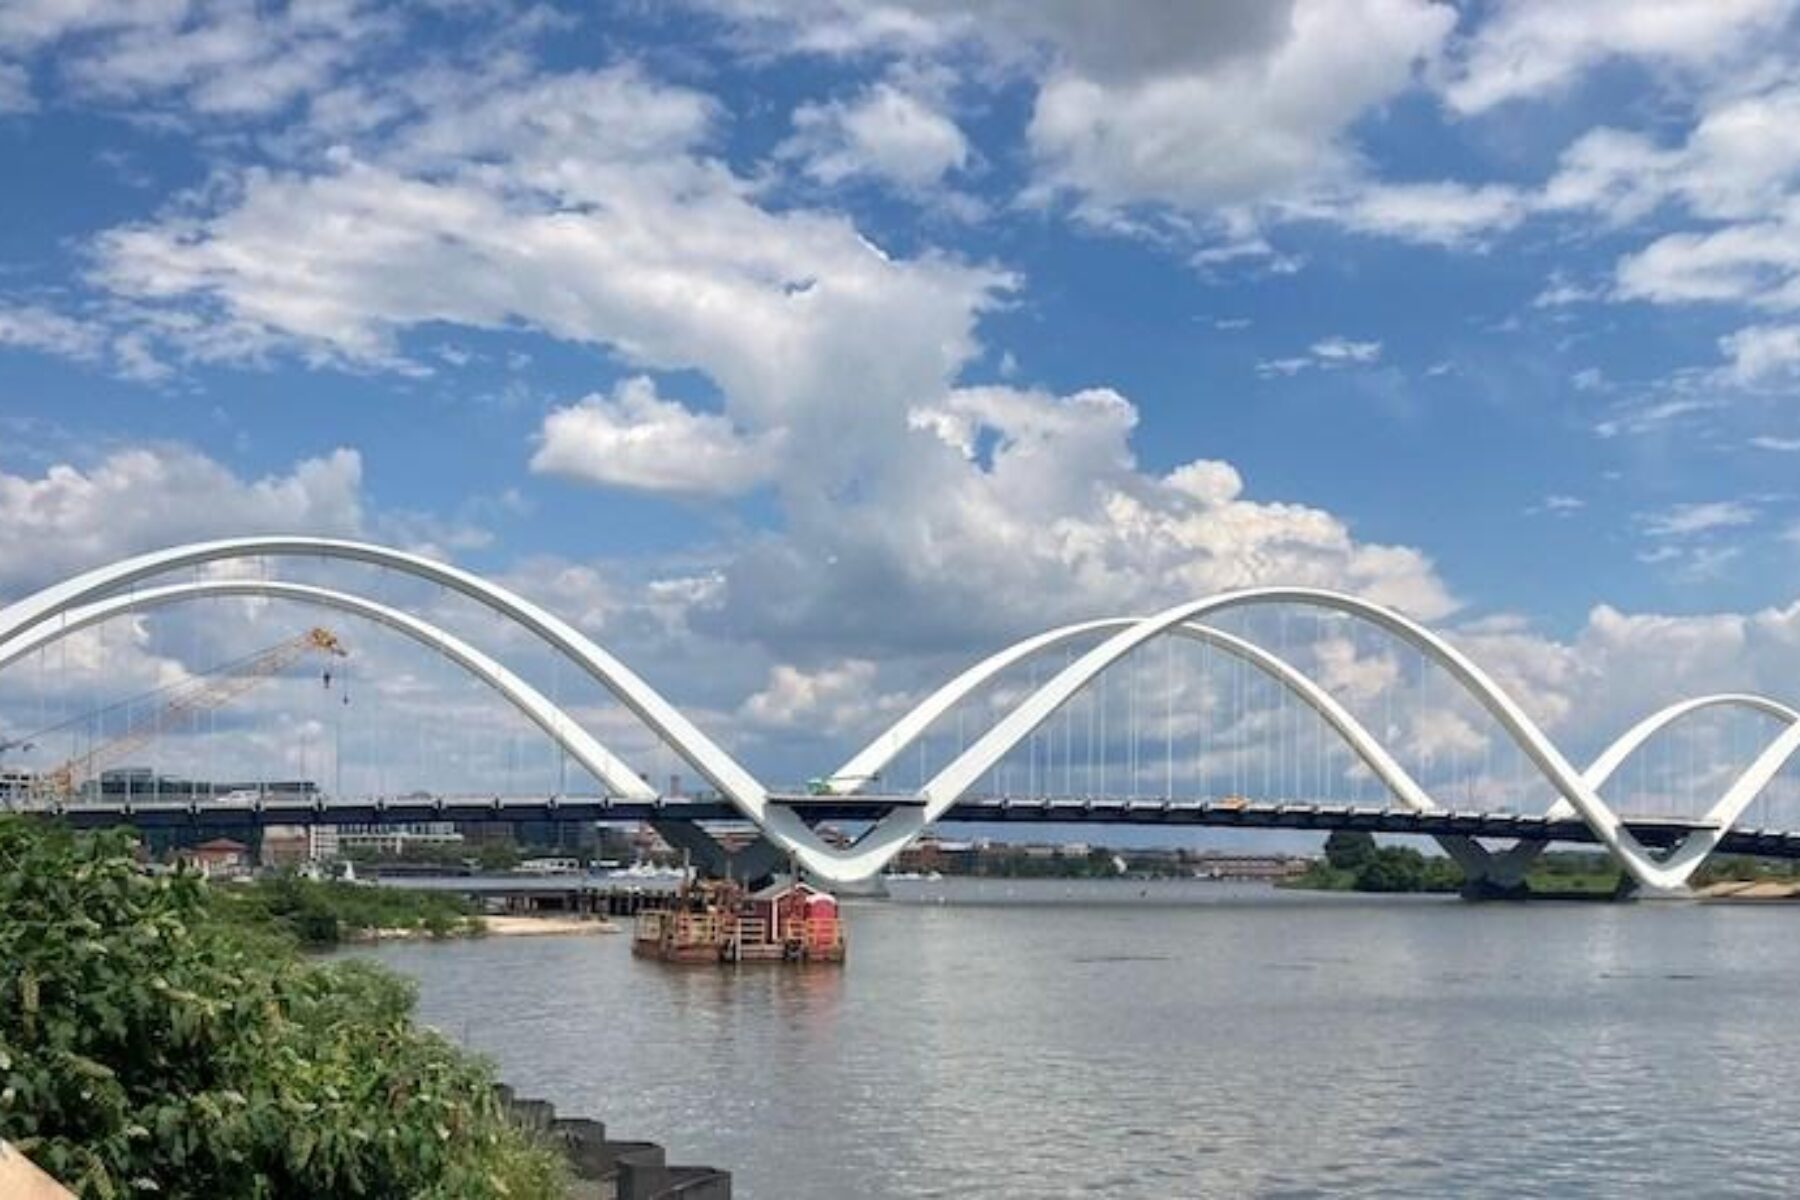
x=324, y=913
x=148, y=1046
x=1350, y=849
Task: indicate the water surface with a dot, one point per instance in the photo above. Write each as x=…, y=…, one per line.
x=1033, y=1040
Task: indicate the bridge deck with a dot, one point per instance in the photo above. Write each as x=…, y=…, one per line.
x=150, y=813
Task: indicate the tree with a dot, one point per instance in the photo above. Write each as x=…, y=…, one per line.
x=1442, y=874
x=1349, y=849
x=150, y=1047
x=1392, y=869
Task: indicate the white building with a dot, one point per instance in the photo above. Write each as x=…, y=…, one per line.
x=325, y=845
x=394, y=839
x=15, y=785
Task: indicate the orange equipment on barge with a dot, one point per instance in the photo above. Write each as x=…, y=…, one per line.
x=717, y=921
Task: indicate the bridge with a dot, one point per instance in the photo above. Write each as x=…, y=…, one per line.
x=1660, y=855
x=251, y=815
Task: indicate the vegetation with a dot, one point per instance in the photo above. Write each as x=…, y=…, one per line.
x=1350, y=850
x=1575, y=873
x=1741, y=868
x=151, y=1043
x=1354, y=861
x=321, y=914
x=540, y=840
x=1094, y=862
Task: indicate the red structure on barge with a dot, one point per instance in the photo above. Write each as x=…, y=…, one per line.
x=717, y=921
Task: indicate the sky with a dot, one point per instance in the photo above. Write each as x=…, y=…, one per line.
x=803, y=351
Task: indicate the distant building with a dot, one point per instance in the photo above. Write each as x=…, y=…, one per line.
x=15, y=785
x=1248, y=866
x=219, y=857
x=934, y=854
x=488, y=833
x=285, y=846
x=296, y=846
x=647, y=845
x=735, y=837
x=324, y=839
x=394, y=839
x=550, y=866
x=570, y=836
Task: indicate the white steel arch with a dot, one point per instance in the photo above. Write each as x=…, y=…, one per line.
x=561, y=728
x=1476, y=860
x=1669, y=877
x=1628, y=743
x=873, y=758
x=1512, y=863
x=780, y=824
x=908, y=728
x=1578, y=792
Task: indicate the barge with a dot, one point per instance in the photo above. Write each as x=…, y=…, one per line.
x=717, y=921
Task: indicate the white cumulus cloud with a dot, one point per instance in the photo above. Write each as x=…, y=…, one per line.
x=886, y=133
x=1532, y=47
x=1233, y=129
x=1763, y=354
x=35, y=327
x=140, y=498
x=838, y=698
x=635, y=439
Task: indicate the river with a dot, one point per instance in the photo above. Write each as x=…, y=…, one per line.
x=1005, y=1039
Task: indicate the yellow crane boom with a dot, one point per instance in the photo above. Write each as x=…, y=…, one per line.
x=199, y=695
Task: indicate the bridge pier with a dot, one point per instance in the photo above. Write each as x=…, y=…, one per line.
x=1500, y=876
x=753, y=865
x=1488, y=890
x=1508, y=883
x=1640, y=891
x=1492, y=876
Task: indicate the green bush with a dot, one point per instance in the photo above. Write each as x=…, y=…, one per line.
x=1392, y=869
x=1349, y=849
x=317, y=925
x=323, y=913
x=1403, y=869
x=149, y=1046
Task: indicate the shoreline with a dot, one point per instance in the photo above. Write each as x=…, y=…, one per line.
x=507, y=925
x=1750, y=891
x=554, y=926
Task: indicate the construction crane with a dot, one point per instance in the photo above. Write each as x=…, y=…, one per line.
x=202, y=694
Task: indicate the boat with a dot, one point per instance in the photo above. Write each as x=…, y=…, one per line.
x=650, y=871
x=718, y=921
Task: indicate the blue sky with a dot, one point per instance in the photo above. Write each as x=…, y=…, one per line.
x=824, y=344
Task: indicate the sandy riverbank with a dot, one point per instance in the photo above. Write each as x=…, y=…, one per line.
x=497, y=926
x=543, y=926
x=1764, y=890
